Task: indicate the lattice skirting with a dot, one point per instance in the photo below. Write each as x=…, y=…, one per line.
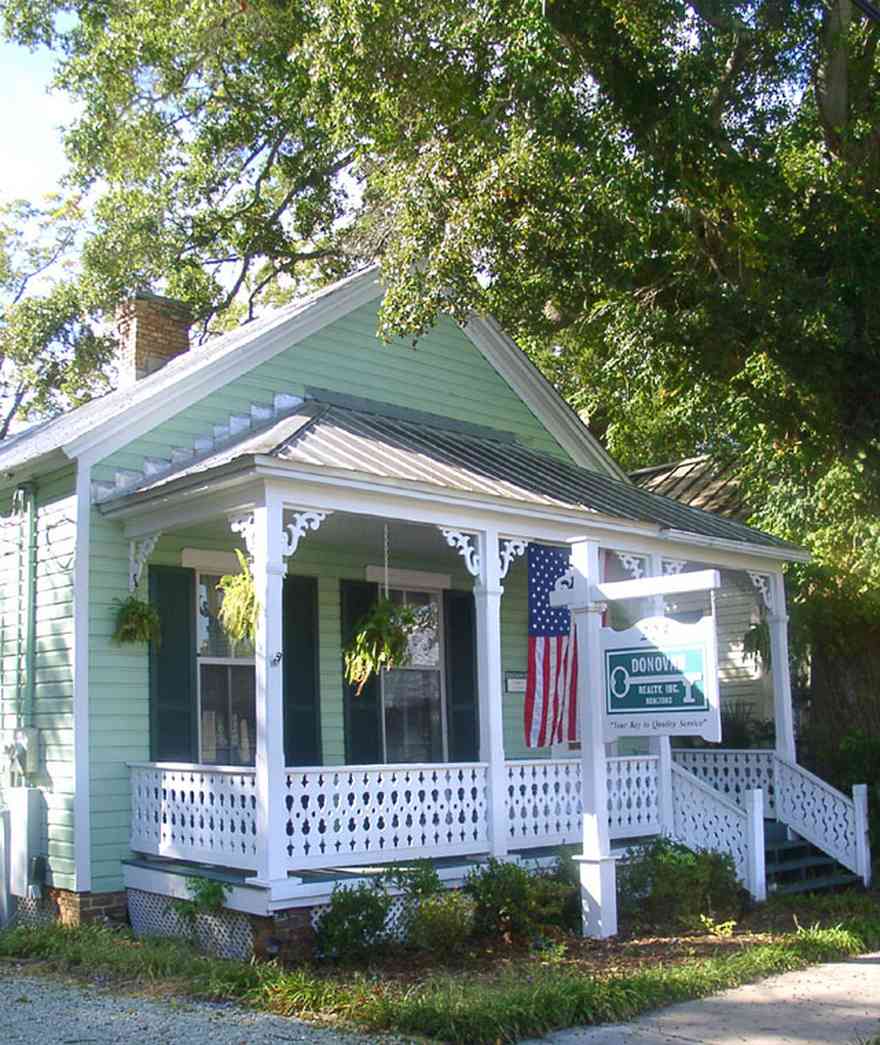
x=225, y=934
x=393, y=923
x=35, y=911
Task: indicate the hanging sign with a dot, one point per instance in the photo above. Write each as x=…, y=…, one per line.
x=661, y=679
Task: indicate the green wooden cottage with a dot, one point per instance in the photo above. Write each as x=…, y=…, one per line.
x=333, y=461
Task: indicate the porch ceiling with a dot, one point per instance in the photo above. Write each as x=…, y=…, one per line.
x=359, y=534
x=431, y=453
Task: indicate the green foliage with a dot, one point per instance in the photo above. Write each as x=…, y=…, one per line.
x=723, y=930
x=462, y=1009
x=416, y=880
x=354, y=924
x=554, y=903
x=206, y=896
x=441, y=923
x=380, y=642
x=238, y=610
x=52, y=352
x=137, y=621
x=664, y=883
x=756, y=644
x=501, y=892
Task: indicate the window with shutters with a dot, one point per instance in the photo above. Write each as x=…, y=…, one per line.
x=413, y=698
x=226, y=684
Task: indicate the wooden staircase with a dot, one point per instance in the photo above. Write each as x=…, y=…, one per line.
x=794, y=865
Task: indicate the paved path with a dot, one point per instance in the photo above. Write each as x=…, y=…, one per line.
x=42, y=1010
x=835, y=1004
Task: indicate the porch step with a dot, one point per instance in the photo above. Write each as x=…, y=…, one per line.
x=794, y=865
x=817, y=885
x=258, y=415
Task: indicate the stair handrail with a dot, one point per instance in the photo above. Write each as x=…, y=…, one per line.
x=848, y=840
x=749, y=863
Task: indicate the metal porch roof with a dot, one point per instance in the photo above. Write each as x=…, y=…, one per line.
x=327, y=436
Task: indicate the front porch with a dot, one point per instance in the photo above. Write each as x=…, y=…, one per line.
x=302, y=810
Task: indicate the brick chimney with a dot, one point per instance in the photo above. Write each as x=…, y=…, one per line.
x=150, y=330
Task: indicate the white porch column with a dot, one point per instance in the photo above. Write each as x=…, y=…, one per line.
x=782, y=710
x=487, y=597
x=661, y=746
x=597, y=869
x=268, y=571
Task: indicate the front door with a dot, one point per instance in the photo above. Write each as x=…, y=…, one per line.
x=413, y=704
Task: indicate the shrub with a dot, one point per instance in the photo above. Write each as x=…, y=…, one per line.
x=354, y=923
x=500, y=892
x=441, y=923
x=554, y=903
x=666, y=883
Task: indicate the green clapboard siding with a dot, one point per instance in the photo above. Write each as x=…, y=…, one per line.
x=53, y=656
x=443, y=373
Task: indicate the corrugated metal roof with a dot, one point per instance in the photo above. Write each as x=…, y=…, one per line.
x=696, y=481
x=372, y=444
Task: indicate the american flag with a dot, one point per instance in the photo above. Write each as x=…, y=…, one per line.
x=551, y=690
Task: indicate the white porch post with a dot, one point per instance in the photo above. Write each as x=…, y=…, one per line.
x=661, y=746
x=597, y=869
x=487, y=597
x=782, y=709
x=268, y=581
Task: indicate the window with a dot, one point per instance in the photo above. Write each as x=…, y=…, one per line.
x=226, y=684
x=413, y=705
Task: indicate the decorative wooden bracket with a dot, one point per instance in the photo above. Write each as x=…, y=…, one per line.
x=672, y=566
x=303, y=521
x=633, y=564
x=763, y=587
x=244, y=526
x=138, y=553
x=510, y=548
x=463, y=543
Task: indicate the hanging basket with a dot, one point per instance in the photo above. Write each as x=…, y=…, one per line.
x=137, y=621
x=380, y=642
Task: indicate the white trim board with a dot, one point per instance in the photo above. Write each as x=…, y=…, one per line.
x=410, y=580
x=82, y=814
x=210, y=561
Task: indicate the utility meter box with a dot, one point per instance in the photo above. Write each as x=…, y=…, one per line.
x=25, y=828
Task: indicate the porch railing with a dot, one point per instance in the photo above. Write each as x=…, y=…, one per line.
x=544, y=800
x=201, y=813
x=354, y=814
x=829, y=819
x=732, y=772
x=347, y=815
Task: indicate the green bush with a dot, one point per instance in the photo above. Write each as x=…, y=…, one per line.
x=441, y=923
x=664, y=883
x=500, y=892
x=354, y=923
x=554, y=903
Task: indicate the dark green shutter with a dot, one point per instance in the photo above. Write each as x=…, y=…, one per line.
x=302, y=721
x=173, y=724
x=461, y=676
x=363, y=725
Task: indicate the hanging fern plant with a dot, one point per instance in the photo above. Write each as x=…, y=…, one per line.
x=238, y=610
x=381, y=641
x=756, y=644
x=137, y=621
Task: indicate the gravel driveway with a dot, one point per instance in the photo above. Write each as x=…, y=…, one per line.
x=39, y=1010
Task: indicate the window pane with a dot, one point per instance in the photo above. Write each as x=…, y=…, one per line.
x=424, y=644
x=244, y=715
x=413, y=722
x=212, y=639
x=215, y=713
x=228, y=714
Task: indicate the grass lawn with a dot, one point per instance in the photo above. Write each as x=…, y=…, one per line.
x=501, y=991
